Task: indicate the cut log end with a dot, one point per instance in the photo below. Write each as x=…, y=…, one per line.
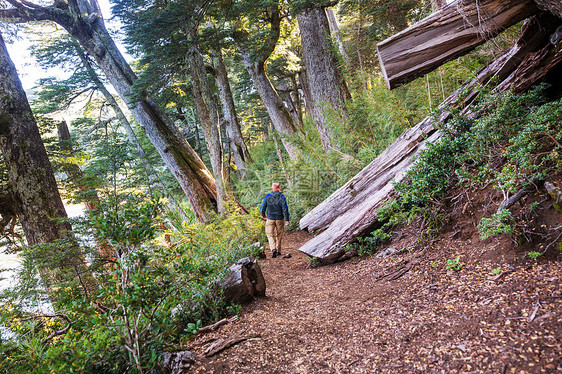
x=446, y=34
x=244, y=282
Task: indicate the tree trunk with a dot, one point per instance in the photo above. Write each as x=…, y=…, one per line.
x=285, y=94
x=336, y=32
x=83, y=20
x=306, y=95
x=254, y=59
x=447, y=34
x=349, y=212
x=73, y=171
x=89, y=194
x=244, y=282
x=280, y=117
x=236, y=140
x=297, y=98
x=327, y=86
x=281, y=160
x=34, y=182
x=208, y=115
x=535, y=66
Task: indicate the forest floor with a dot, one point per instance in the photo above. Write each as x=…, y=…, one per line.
x=404, y=313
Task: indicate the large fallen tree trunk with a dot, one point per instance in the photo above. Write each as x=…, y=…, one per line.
x=445, y=35
x=349, y=212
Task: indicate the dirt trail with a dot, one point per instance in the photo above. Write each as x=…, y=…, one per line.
x=344, y=318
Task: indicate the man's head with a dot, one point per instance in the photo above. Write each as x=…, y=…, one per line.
x=275, y=187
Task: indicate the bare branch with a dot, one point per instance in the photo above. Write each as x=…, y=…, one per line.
x=57, y=332
x=25, y=11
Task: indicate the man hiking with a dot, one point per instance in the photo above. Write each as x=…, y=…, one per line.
x=276, y=212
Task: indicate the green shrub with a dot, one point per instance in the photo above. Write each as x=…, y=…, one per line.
x=500, y=223
x=513, y=140
x=150, y=300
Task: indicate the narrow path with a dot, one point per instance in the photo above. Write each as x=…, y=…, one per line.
x=342, y=319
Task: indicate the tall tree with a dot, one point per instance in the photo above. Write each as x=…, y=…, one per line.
x=178, y=24
x=327, y=85
x=236, y=140
x=33, y=180
x=256, y=44
x=207, y=112
x=83, y=20
x=366, y=22
x=334, y=27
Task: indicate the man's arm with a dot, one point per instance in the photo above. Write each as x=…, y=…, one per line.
x=263, y=208
x=285, y=210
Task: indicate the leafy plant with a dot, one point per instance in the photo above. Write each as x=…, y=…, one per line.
x=497, y=270
x=500, y=223
x=454, y=264
x=534, y=255
x=193, y=328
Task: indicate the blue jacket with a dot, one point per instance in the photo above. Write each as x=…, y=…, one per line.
x=275, y=205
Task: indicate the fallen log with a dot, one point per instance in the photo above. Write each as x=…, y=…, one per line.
x=216, y=325
x=552, y=6
x=535, y=65
x=447, y=34
x=222, y=344
x=534, y=34
x=244, y=282
x=349, y=211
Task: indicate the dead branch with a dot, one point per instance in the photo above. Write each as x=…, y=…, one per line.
x=222, y=344
x=63, y=331
x=513, y=199
x=403, y=269
x=215, y=326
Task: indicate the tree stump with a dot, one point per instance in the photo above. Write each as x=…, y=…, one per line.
x=244, y=282
x=176, y=362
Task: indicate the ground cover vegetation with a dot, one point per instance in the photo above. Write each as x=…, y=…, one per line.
x=508, y=142
x=157, y=246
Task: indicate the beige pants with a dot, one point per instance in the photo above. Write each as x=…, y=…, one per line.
x=274, y=229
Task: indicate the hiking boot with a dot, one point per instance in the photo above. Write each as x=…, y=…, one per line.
x=274, y=254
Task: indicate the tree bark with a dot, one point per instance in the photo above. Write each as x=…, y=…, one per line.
x=254, y=61
x=327, y=86
x=34, y=183
x=349, y=212
x=73, y=171
x=280, y=117
x=236, y=140
x=208, y=115
x=446, y=34
x=83, y=20
x=336, y=32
